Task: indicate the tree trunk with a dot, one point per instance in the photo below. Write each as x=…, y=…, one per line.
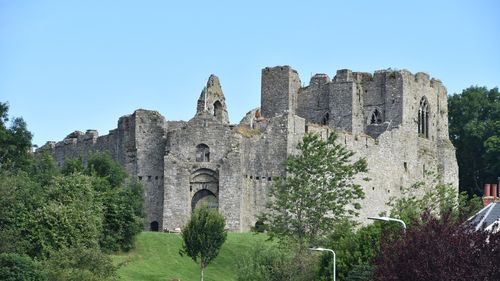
x=201, y=268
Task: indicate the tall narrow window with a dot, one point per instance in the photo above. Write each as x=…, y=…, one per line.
x=423, y=118
x=202, y=153
x=325, y=119
x=376, y=117
x=217, y=109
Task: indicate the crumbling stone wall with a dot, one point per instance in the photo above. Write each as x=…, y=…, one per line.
x=138, y=144
x=232, y=167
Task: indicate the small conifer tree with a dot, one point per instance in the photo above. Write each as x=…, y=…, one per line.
x=203, y=236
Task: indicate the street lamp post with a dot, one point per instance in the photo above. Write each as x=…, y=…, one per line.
x=326, y=250
x=389, y=219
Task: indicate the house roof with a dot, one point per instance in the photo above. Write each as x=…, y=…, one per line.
x=487, y=217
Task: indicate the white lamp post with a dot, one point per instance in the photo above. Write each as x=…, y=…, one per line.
x=326, y=250
x=389, y=219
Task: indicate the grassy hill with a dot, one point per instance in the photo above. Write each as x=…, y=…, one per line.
x=156, y=257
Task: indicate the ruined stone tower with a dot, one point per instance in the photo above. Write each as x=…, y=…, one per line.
x=398, y=121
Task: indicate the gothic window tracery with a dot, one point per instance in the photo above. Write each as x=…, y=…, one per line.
x=423, y=118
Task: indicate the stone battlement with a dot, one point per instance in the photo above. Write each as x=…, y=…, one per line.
x=394, y=119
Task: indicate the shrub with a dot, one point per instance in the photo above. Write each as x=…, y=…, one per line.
x=15, y=267
x=269, y=262
x=80, y=264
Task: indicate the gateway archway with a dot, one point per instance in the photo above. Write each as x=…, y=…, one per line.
x=204, y=188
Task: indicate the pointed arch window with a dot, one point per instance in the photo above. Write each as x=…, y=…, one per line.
x=376, y=117
x=423, y=118
x=202, y=153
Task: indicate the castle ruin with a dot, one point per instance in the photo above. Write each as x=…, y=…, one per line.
x=398, y=121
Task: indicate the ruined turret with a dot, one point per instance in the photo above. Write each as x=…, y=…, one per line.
x=212, y=100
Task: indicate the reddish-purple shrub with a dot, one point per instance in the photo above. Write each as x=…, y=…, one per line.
x=439, y=249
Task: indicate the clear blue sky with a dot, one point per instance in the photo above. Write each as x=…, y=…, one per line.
x=77, y=65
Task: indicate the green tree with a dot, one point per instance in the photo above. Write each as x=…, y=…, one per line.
x=79, y=264
x=355, y=248
x=268, y=262
x=102, y=165
x=474, y=124
x=15, y=267
x=72, y=166
x=69, y=216
x=203, y=236
x=37, y=220
x=20, y=198
x=317, y=192
x=15, y=142
x=434, y=198
x=43, y=168
x=123, y=216
x=122, y=201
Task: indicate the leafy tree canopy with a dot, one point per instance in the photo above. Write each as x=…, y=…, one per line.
x=38, y=220
x=434, y=198
x=317, y=192
x=203, y=236
x=80, y=264
x=102, y=165
x=15, y=142
x=15, y=267
x=474, y=124
x=355, y=248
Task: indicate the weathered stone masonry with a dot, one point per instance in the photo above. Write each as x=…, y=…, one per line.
x=396, y=120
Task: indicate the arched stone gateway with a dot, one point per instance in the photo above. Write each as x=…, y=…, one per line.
x=154, y=226
x=204, y=197
x=204, y=188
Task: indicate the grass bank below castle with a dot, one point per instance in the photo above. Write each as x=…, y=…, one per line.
x=156, y=257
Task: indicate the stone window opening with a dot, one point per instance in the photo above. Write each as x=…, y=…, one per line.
x=405, y=166
x=140, y=178
x=217, y=109
x=376, y=117
x=202, y=153
x=423, y=118
x=325, y=119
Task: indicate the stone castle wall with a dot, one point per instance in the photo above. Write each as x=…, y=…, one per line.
x=138, y=144
x=232, y=167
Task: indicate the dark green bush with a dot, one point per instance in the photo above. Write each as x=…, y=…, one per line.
x=15, y=267
x=79, y=264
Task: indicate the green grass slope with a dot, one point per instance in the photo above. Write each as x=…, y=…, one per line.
x=156, y=257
